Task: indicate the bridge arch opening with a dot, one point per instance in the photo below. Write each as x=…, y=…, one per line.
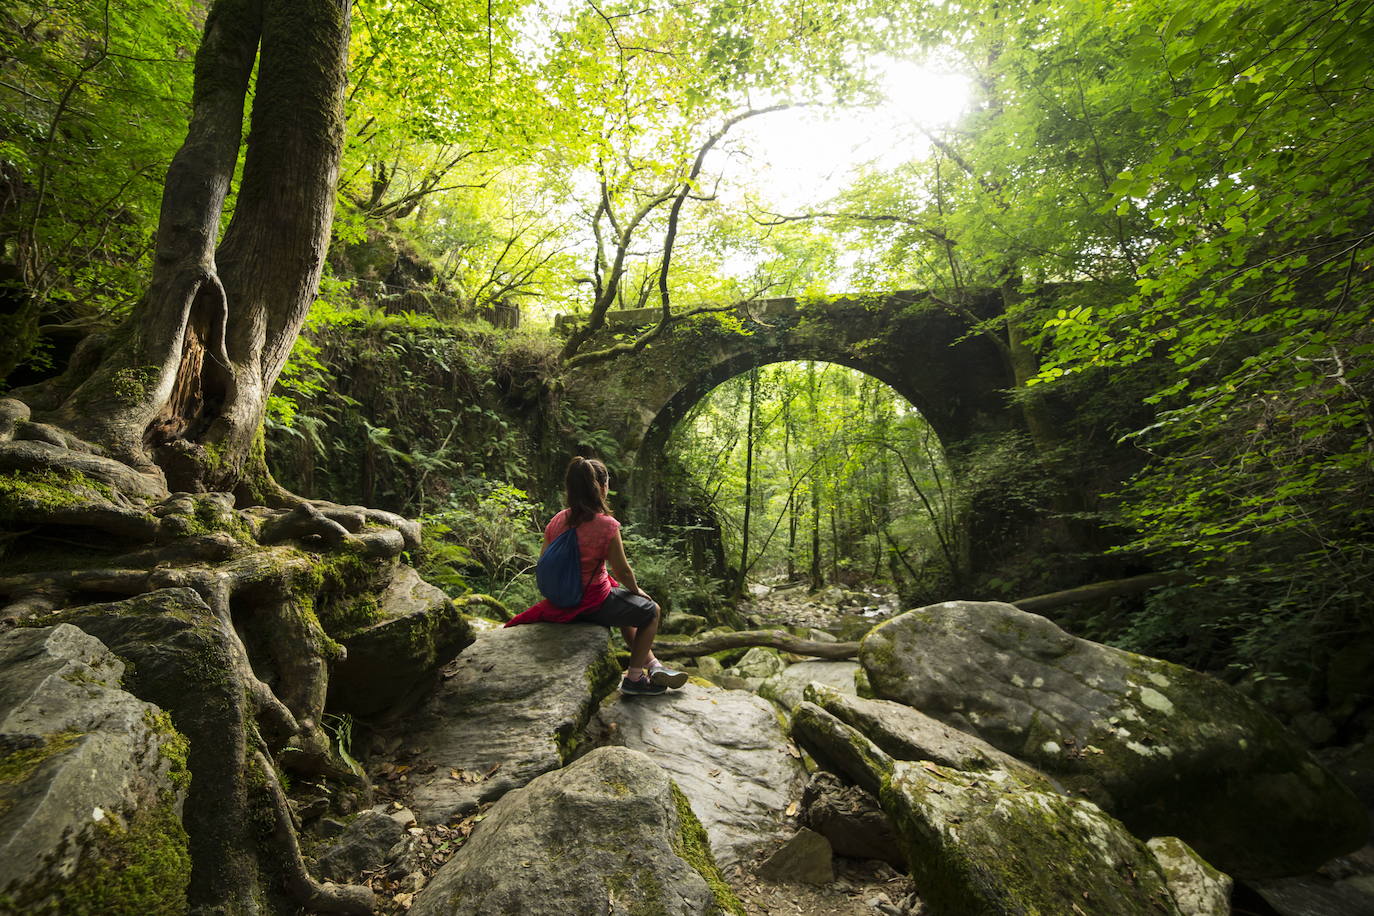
x=809, y=470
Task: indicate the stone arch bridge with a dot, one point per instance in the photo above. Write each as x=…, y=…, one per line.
x=918, y=345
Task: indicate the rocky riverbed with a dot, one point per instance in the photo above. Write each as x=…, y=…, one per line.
x=972, y=758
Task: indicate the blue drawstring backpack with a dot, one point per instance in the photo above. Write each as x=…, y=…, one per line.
x=559, y=571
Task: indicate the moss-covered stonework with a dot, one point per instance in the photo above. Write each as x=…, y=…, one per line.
x=692, y=847
x=984, y=845
x=1169, y=751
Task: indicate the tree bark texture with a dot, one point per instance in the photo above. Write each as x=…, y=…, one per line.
x=141, y=477
x=180, y=389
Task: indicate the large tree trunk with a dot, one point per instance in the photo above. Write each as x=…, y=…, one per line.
x=180, y=389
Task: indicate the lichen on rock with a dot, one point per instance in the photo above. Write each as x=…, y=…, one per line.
x=1168, y=750
x=606, y=834
x=91, y=783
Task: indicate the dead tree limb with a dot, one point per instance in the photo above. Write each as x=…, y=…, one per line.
x=748, y=639
x=469, y=601
x=1112, y=588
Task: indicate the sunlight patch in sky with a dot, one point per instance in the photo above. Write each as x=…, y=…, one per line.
x=796, y=158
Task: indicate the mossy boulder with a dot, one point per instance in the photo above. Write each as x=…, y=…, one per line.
x=1169, y=751
x=906, y=734
x=983, y=846
x=986, y=843
x=1198, y=888
x=841, y=748
x=406, y=635
x=758, y=663
x=607, y=834
x=91, y=780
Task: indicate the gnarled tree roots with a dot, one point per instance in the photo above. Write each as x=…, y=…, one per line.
x=229, y=615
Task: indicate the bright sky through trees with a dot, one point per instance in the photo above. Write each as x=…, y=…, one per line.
x=791, y=159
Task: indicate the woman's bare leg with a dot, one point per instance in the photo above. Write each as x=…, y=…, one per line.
x=642, y=641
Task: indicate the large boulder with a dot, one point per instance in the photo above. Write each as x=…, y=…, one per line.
x=608, y=835
x=984, y=843
x=511, y=707
x=91, y=780
x=367, y=843
x=725, y=749
x=980, y=846
x=1169, y=751
x=418, y=631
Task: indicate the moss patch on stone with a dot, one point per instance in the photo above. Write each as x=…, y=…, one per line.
x=173, y=747
x=692, y=846
x=18, y=764
x=138, y=868
x=602, y=676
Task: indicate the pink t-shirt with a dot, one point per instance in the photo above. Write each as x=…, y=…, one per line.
x=594, y=538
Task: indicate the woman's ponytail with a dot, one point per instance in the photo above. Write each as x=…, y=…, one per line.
x=584, y=486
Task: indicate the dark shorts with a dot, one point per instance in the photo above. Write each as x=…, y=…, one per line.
x=621, y=608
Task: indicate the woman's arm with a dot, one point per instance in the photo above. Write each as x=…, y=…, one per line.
x=620, y=566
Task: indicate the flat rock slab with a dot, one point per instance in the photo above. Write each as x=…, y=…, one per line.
x=84, y=761
x=506, y=709
x=605, y=835
x=1169, y=751
x=789, y=686
x=725, y=749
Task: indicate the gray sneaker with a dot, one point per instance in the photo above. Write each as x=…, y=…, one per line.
x=641, y=688
x=667, y=677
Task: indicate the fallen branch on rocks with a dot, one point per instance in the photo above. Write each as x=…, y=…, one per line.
x=485, y=601
x=748, y=639
x=1111, y=588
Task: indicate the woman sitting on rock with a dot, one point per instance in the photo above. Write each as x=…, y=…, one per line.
x=604, y=600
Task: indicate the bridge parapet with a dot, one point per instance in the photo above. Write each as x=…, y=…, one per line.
x=621, y=320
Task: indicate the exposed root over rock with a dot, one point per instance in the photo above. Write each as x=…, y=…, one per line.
x=232, y=617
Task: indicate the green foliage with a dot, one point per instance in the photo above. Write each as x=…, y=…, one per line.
x=663, y=569
x=92, y=100
x=485, y=540
x=848, y=482
x=390, y=410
